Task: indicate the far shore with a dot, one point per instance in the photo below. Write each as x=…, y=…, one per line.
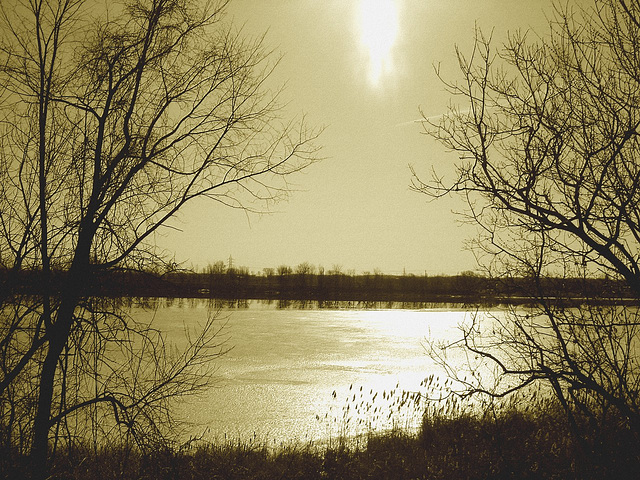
x=367, y=290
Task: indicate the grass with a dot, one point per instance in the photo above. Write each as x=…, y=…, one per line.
x=454, y=442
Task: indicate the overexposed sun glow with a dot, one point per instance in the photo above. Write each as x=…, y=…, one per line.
x=378, y=21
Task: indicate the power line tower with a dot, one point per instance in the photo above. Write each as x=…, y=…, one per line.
x=230, y=263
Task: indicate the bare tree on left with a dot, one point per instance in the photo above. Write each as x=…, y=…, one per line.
x=112, y=119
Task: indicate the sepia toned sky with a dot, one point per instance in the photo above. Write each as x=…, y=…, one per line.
x=363, y=70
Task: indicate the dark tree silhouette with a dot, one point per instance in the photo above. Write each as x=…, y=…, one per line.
x=112, y=121
x=546, y=134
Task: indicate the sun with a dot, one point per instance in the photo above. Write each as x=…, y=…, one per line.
x=378, y=23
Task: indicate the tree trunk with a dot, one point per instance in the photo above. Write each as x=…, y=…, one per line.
x=57, y=335
x=57, y=340
x=40, y=445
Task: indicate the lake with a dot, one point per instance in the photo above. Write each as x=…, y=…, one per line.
x=301, y=375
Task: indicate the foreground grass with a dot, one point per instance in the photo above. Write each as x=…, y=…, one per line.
x=505, y=443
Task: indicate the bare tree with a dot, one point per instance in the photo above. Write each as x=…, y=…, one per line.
x=548, y=147
x=112, y=121
x=305, y=268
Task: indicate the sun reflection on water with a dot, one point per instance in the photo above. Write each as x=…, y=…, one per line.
x=313, y=375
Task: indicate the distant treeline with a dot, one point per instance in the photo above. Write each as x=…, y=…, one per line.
x=289, y=284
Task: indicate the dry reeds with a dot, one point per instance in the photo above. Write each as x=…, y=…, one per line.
x=526, y=437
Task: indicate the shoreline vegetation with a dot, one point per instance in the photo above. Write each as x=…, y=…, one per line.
x=524, y=438
x=286, y=284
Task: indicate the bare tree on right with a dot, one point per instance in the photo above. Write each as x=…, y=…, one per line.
x=545, y=129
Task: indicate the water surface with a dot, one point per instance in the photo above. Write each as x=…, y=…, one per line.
x=311, y=374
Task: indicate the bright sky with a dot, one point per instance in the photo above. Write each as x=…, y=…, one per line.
x=362, y=69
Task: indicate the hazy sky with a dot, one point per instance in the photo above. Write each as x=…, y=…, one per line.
x=362, y=69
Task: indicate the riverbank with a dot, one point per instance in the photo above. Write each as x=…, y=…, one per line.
x=287, y=285
x=514, y=442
